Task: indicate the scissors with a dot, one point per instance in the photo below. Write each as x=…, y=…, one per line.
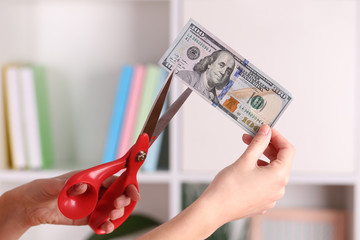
x=80, y=206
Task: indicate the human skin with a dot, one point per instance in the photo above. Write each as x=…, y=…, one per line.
x=35, y=203
x=246, y=188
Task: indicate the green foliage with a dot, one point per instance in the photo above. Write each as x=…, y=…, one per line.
x=133, y=224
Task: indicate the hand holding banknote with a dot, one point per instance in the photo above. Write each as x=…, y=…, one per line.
x=247, y=187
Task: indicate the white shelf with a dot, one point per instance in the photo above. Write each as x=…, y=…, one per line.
x=105, y=35
x=295, y=179
x=154, y=177
x=323, y=179
x=164, y=177
x=25, y=176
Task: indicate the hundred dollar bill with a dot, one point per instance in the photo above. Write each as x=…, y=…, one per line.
x=225, y=79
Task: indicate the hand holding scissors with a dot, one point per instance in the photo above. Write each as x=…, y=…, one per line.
x=80, y=206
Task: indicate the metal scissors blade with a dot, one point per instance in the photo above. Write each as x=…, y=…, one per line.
x=155, y=111
x=170, y=112
x=153, y=126
x=76, y=207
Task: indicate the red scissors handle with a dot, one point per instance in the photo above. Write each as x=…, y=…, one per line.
x=76, y=207
x=80, y=206
x=106, y=203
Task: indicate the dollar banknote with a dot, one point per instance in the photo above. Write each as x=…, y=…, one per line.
x=225, y=79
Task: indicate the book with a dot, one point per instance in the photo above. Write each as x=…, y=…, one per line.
x=30, y=120
x=43, y=110
x=154, y=153
x=126, y=138
x=14, y=117
x=117, y=117
x=147, y=98
x=4, y=151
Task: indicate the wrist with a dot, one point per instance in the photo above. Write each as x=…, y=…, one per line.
x=213, y=207
x=198, y=221
x=210, y=217
x=12, y=216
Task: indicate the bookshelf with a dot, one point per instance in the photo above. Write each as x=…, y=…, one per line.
x=83, y=44
x=294, y=43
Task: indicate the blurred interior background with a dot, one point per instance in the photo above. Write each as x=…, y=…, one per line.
x=310, y=47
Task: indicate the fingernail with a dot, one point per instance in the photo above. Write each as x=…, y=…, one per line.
x=264, y=130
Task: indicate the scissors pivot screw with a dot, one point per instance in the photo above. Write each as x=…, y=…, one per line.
x=141, y=156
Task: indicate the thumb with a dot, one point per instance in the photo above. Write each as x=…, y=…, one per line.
x=258, y=145
x=77, y=189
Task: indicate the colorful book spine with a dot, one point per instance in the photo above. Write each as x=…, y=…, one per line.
x=132, y=107
x=4, y=150
x=117, y=118
x=147, y=99
x=30, y=118
x=138, y=89
x=45, y=132
x=14, y=117
x=151, y=162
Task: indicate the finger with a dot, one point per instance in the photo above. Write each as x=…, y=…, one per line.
x=110, y=180
x=122, y=201
x=258, y=145
x=67, y=175
x=61, y=180
x=247, y=138
x=116, y=214
x=79, y=222
x=106, y=184
x=77, y=189
x=270, y=152
x=108, y=227
x=262, y=163
x=286, y=150
x=132, y=192
x=278, y=140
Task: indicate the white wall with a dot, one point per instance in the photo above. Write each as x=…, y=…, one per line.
x=309, y=47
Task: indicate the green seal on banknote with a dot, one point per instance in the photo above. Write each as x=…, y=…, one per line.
x=257, y=102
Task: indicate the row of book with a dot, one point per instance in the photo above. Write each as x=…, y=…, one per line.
x=25, y=134
x=137, y=89
x=25, y=131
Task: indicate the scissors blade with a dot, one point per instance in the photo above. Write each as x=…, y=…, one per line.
x=154, y=114
x=170, y=113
